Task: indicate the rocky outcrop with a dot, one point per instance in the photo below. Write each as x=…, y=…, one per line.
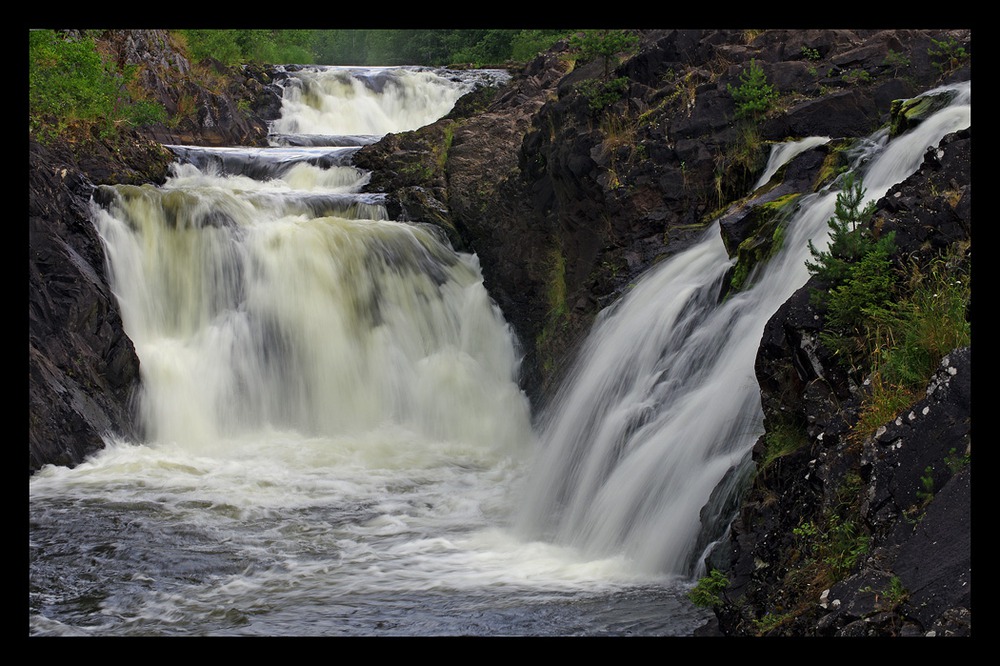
x=206, y=102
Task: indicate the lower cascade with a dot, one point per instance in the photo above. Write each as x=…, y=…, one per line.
x=662, y=410
x=334, y=439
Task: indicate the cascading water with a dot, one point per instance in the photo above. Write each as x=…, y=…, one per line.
x=663, y=403
x=335, y=443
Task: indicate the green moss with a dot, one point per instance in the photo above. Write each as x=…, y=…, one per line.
x=835, y=164
x=555, y=320
x=766, y=239
x=442, y=151
x=908, y=113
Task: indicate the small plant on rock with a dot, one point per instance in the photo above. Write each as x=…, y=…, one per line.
x=850, y=239
x=707, y=593
x=605, y=45
x=947, y=54
x=754, y=96
x=896, y=61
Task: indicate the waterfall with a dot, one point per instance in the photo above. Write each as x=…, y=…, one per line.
x=293, y=303
x=334, y=441
x=662, y=403
x=369, y=102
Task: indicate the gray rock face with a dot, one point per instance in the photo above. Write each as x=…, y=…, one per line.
x=82, y=367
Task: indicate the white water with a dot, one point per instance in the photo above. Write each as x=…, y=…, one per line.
x=334, y=435
x=784, y=153
x=335, y=442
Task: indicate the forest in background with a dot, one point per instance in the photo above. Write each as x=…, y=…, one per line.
x=476, y=47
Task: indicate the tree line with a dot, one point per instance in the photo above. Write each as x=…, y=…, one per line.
x=476, y=47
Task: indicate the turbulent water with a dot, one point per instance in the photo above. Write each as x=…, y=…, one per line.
x=334, y=439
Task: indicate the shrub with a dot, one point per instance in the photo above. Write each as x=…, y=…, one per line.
x=603, y=44
x=754, y=96
x=526, y=44
x=906, y=341
x=602, y=94
x=69, y=82
x=896, y=61
x=850, y=239
x=707, y=593
x=947, y=55
x=857, y=77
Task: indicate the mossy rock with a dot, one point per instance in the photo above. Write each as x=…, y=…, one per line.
x=905, y=114
x=766, y=239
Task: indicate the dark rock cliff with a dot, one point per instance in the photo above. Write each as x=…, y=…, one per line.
x=565, y=205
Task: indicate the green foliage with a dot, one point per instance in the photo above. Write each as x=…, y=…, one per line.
x=955, y=462
x=707, y=593
x=69, y=82
x=850, y=239
x=526, y=44
x=838, y=541
x=770, y=621
x=926, y=493
x=240, y=46
x=905, y=342
x=810, y=54
x=947, y=55
x=867, y=294
x=858, y=272
x=754, y=96
x=857, y=77
x=605, y=45
x=891, y=597
x=478, y=47
x=493, y=47
x=780, y=440
x=925, y=325
x=896, y=61
x=602, y=94
x=896, y=594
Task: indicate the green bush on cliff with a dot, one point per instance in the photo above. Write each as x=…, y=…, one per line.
x=603, y=45
x=857, y=271
x=947, y=54
x=69, y=82
x=850, y=238
x=892, y=324
x=602, y=94
x=708, y=592
x=754, y=96
x=905, y=342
